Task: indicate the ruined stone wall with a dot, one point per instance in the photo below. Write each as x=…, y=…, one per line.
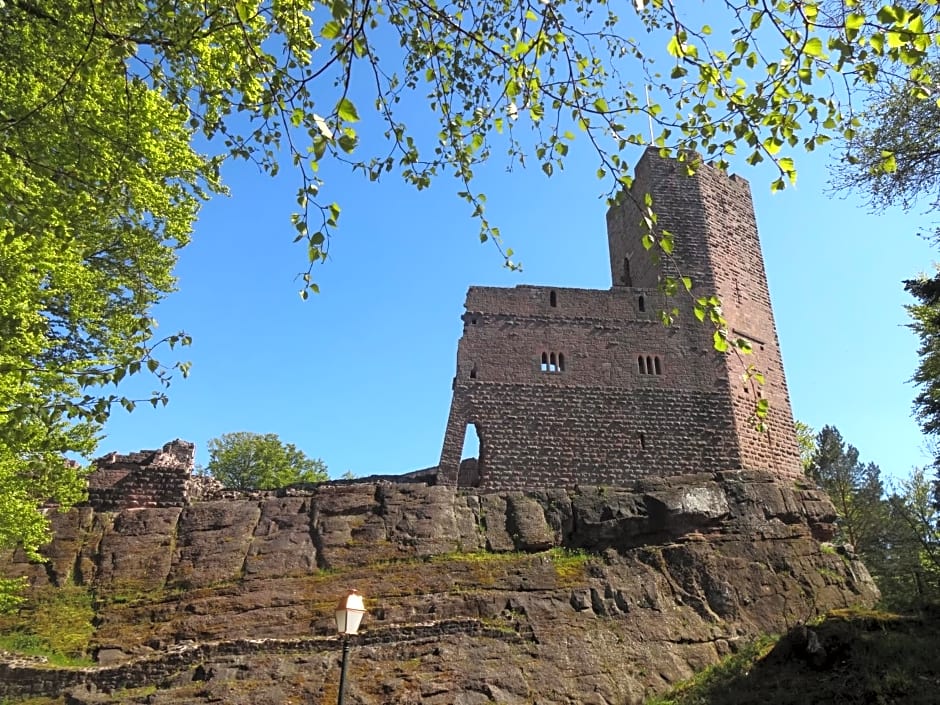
x=591, y=435
x=148, y=478
x=711, y=216
x=567, y=386
x=741, y=283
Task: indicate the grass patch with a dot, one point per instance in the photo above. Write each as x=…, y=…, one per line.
x=478, y=557
x=55, y=623
x=570, y=565
x=851, y=657
x=706, y=686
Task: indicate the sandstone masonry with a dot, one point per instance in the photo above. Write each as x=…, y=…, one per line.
x=570, y=387
x=148, y=478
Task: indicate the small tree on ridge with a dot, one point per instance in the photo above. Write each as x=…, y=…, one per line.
x=245, y=460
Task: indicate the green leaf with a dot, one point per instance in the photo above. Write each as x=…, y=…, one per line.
x=813, y=47
x=720, y=341
x=347, y=111
x=347, y=142
x=674, y=47
x=331, y=30
x=340, y=9
x=762, y=408
x=889, y=163
x=243, y=11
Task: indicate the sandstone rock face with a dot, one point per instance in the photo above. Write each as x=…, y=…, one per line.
x=594, y=595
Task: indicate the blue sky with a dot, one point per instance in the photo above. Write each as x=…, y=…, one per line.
x=360, y=375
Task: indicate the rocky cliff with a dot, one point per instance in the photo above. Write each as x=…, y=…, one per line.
x=595, y=595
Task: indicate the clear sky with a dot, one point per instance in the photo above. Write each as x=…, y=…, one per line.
x=360, y=375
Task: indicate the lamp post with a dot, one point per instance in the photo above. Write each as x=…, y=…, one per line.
x=349, y=613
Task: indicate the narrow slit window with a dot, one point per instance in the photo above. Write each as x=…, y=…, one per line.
x=641, y=304
x=473, y=372
x=649, y=365
x=553, y=299
x=553, y=362
x=627, y=279
x=642, y=438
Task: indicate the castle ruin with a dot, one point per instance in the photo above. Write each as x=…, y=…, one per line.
x=568, y=387
x=571, y=386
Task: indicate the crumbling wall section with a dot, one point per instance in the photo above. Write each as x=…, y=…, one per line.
x=148, y=478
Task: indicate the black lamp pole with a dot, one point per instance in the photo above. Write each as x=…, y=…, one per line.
x=342, y=673
x=349, y=613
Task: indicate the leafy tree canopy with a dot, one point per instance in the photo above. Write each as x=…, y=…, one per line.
x=893, y=154
x=925, y=321
x=910, y=571
x=854, y=487
x=896, y=532
x=247, y=461
x=101, y=105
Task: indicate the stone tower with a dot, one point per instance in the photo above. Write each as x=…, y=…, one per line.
x=575, y=386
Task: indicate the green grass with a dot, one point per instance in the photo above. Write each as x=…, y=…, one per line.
x=55, y=623
x=869, y=658
x=570, y=565
x=705, y=686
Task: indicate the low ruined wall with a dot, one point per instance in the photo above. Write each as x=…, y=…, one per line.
x=148, y=478
x=23, y=679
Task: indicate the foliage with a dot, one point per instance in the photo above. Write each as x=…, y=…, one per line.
x=570, y=564
x=101, y=104
x=896, y=533
x=894, y=155
x=911, y=575
x=277, y=82
x=245, y=461
x=870, y=657
x=925, y=321
x=854, y=487
x=56, y=623
x=704, y=686
x=89, y=226
x=806, y=441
